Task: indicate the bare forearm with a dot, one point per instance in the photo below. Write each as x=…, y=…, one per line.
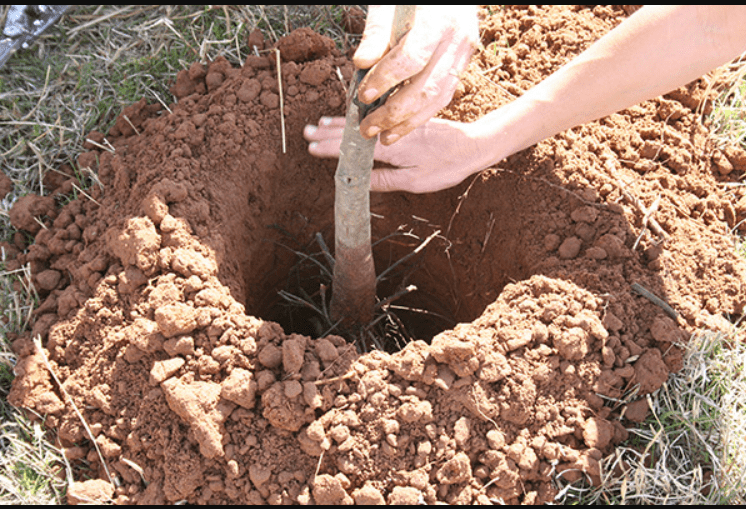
x=654, y=51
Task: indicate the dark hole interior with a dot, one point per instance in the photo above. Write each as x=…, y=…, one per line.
x=456, y=276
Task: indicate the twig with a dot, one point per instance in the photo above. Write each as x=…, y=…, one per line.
x=388, y=300
x=161, y=101
x=72, y=32
x=640, y=290
x=37, y=152
x=269, y=25
x=37, y=343
x=44, y=93
x=497, y=85
x=325, y=250
x=654, y=226
x=102, y=147
x=342, y=80
x=374, y=340
x=40, y=223
x=127, y=119
x=421, y=311
x=294, y=299
x=322, y=291
x=460, y=202
x=318, y=465
x=137, y=468
x=340, y=378
x=402, y=328
x=489, y=232
x=408, y=256
x=282, y=103
x=646, y=218
x=86, y=195
x=305, y=257
x=399, y=232
x=285, y=16
x=330, y=329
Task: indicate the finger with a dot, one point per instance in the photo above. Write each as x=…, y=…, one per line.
x=425, y=95
x=402, y=116
x=406, y=59
x=327, y=149
x=314, y=133
x=375, y=42
x=413, y=104
x=408, y=126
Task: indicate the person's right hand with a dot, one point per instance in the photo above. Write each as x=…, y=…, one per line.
x=430, y=56
x=435, y=156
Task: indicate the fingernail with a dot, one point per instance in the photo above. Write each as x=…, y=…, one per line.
x=312, y=146
x=311, y=130
x=391, y=138
x=325, y=120
x=372, y=131
x=369, y=95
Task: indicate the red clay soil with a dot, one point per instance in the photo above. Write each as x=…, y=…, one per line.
x=157, y=297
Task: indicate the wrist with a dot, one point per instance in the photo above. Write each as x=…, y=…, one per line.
x=506, y=131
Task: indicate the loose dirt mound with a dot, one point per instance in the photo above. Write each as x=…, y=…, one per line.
x=158, y=297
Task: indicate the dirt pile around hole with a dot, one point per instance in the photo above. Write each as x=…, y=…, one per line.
x=153, y=295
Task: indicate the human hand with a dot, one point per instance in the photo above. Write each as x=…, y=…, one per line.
x=431, y=56
x=435, y=156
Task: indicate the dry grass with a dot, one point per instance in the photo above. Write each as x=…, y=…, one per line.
x=692, y=448
x=99, y=59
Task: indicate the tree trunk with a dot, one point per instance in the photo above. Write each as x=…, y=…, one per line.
x=354, y=280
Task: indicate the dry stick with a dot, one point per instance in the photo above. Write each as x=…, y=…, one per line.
x=409, y=255
x=654, y=226
x=86, y=195
x=388, y=300
x=282, y=107
x=37, y=343
x=96, y=21
x=640, y=290
x=161, y=101
x=325, y=250
x=645, y=220
x=131, y=124
x=269, y=25
x=43, y=96
x=489, y=232
x=37, y=152
x=460, y=201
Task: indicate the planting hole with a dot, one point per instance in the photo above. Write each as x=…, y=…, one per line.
x=456, y=276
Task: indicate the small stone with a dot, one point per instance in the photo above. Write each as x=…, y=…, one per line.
x=404, y=495
x=240, y=388
x=637, y=411
x=368, y=495
x=165, y=369
x=570, y=248
x=293, y=389
x=92, y=491
x=597, y=433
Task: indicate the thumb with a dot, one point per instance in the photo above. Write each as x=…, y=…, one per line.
x=375, y=43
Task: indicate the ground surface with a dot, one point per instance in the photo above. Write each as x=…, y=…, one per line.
x=159, y=287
